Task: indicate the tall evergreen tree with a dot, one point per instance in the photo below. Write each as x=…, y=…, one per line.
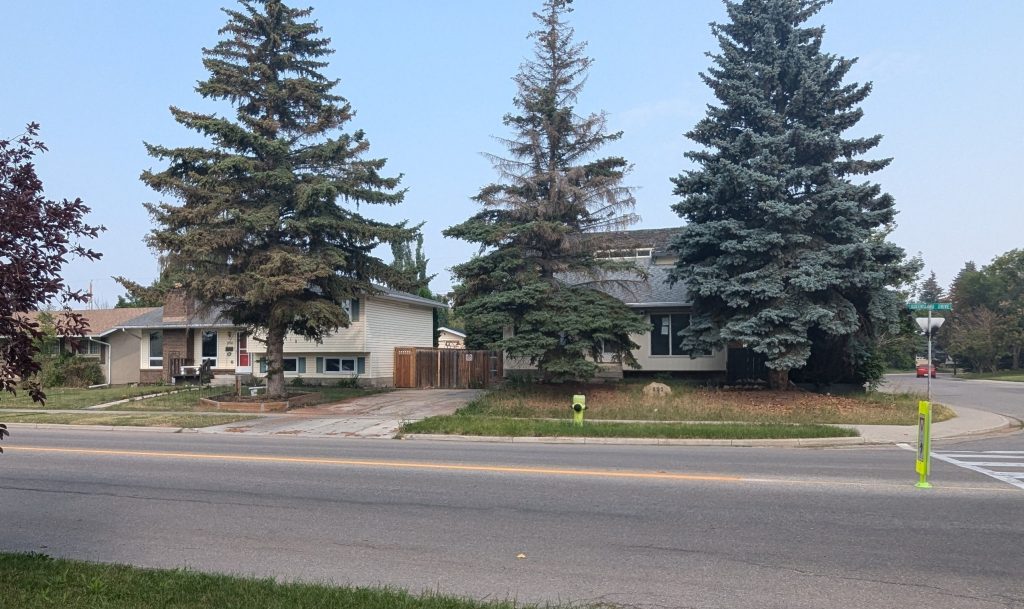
x=267, y=227
x=411, y=264
x=539, y=226
x=930, y=290
x=782, y=249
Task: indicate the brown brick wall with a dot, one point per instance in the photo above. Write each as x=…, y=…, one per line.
x=151, y=377
x=177, y=306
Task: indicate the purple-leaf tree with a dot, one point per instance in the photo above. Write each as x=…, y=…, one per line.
x=37, y=237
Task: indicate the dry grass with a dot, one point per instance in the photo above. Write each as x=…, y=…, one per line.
x=626, y=401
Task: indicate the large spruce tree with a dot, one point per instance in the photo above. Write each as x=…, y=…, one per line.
x=784, y=250
x=540, y=226
x=267, y=228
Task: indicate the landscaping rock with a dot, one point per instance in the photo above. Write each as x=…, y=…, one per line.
x=657, y=390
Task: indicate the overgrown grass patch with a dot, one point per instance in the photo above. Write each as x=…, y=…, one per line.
x=33, y=581
x=499, y=426
x=688, y=402
x=141, y=420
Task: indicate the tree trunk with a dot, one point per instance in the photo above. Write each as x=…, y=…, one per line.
x=778, y=379
x=1016, y=357
x=275, y=363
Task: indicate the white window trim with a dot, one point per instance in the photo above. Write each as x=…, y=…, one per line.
x=216, y=348
x=294, y=359
x=340, y=371
x=149, y=355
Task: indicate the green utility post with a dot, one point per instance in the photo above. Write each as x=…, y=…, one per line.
x=924, y=443
x=579, y=404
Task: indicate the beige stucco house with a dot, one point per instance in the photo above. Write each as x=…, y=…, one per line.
x=665, y=306
x=169, y=343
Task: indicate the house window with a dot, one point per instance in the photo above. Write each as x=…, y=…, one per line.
x=156, y=349
x=665, y=339
x=209, y=350
x=291, y=364
x=339, y=364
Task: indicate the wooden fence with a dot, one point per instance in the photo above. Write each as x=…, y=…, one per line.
x=426, y=368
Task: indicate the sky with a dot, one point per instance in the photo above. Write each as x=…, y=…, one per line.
x=431, y=80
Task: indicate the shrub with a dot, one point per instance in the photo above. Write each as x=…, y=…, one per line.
x=70, y=371
x=349, y=383
x=297, y=382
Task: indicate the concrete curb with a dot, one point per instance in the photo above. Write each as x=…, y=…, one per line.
x=98, y=427
x=784, y=443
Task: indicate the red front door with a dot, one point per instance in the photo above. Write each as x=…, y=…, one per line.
x=243, y=350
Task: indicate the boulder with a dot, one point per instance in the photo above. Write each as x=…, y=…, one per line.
x=655, y=390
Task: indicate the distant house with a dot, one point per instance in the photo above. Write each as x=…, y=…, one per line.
x=666, y=307
x=169, y=343
x=450, y=339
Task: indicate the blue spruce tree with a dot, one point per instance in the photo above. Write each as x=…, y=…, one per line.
x=784, y=250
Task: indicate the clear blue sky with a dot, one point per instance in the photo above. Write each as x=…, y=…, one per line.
x=430, y=82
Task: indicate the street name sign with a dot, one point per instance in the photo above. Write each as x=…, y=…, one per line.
x=929, y=306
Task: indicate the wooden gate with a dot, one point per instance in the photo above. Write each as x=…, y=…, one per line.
x=426, y=368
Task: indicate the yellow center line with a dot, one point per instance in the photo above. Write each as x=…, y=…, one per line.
x=389, y=464
x=555, y=471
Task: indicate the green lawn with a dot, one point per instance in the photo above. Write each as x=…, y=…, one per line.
x=142, y=420
x=497, y=426
x=68, y=398
x=33, y=581
x=176, y=398
x=1002, y=375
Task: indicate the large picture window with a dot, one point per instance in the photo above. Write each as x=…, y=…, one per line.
x=209, y=351
x=339, y=364
x=156, y=349
x=290, y=364
x=665, y=339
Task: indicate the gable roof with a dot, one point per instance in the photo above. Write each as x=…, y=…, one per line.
x=450, y=331
x=103, y=321
x=624, y=285
x=657, y=238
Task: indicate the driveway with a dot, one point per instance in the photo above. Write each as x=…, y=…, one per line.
x=373, y=416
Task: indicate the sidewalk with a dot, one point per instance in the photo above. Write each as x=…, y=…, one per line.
x=967, y=422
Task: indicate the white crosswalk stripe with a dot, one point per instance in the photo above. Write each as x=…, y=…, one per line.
x=1003, y=465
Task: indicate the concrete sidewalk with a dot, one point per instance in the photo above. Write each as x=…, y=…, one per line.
x=967, y=422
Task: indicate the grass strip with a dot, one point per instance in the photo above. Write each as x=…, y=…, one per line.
x=70, y=398
x=140, y=420
x=35, y=581
x=1004, y=375
x=499, y=426
x=688, y=402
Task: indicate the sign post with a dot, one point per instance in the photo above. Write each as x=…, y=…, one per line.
x=924, y=444
x=929, y=328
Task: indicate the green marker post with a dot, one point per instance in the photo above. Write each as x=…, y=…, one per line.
x=924, y=443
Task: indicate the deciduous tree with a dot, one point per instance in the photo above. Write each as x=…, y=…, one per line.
x=37, y=237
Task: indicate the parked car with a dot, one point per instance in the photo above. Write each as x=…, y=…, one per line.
x=922, y=371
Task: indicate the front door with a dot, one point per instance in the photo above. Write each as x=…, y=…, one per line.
x=244, y=359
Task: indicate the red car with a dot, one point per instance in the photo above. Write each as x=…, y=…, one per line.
x=922, y=371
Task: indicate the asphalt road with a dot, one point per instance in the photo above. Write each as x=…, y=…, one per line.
x=663, y=526
x=1003, y=397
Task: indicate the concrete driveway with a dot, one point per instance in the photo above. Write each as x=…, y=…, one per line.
x=373, y=416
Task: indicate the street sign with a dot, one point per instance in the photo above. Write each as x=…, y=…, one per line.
x=929, y=306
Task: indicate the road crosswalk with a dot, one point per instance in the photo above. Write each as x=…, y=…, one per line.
x=1003, y=465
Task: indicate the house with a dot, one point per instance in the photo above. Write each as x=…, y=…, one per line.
x=450, y=339
x=169, y=343
x=665, y=306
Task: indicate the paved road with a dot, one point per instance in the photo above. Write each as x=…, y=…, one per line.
x=650, y=526
x=1003, y=397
